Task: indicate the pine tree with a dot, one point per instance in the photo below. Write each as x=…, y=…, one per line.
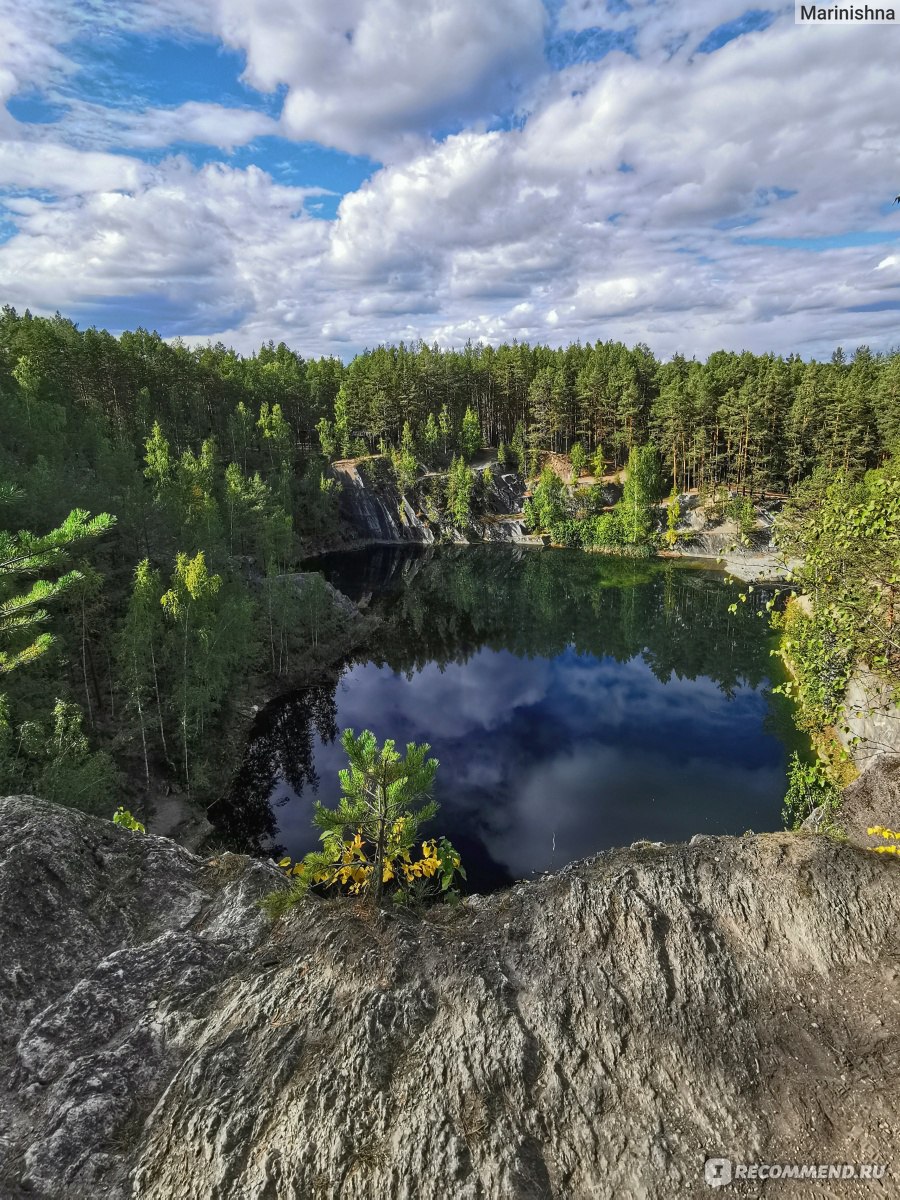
x=430, y=436
x=158, y=465
x=327, y=438
x=28, y=554
x=460, y=485
x=673, y=516
x=240, y=430
x=519, y=447
x=213, y=629
x=384, y=798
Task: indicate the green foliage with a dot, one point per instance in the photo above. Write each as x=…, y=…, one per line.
x=598, y=462
x=470, y=435
x=405, y=468
x=327, y=438
x=846, y=535
x=460, y=486
x=27, y=554
x=579, y=460
x=317, y=500
x=431, y=435
x=518, y=447
x=212, y=624
x=158, y=466
x=124, y=819
x=56, y=763
x=820, y=660
x=808, y=788
x=240, y=434
x=139, y=645
x=640, y=494
x=445, y=428
x=547, y=507
x=369, y=839
x=276, y=434
x=342, y=437
x=740, y=510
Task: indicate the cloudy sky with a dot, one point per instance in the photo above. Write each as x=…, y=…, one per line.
x=339, y=173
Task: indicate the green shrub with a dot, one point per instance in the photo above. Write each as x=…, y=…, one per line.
x=808, y=788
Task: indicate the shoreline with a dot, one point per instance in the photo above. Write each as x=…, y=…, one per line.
x=763, y=567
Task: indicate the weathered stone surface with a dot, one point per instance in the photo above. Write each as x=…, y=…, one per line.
x=597, y=1033
x=871, y=717
x=374, y=510
x=872, y=799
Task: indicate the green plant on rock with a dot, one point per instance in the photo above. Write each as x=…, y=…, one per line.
x=547, y=507
x=369, y=841
x=818, y=651
x=406, y=468
x=808, y=788
x=460, y=486
x=125, y=820
x=578, y=458
x=740, y=510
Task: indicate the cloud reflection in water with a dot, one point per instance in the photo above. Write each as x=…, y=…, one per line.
x=545, y=760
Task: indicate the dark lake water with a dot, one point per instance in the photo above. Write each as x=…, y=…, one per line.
x=575, y=702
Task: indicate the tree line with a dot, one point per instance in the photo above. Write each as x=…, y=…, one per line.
x=755, y=422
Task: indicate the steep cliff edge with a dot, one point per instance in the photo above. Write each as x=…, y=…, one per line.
x=373, y=509
x=597, y=1033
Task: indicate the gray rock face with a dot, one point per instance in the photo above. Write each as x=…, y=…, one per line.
x=377, y=514
x=872, y=718
x=872, y=799
x=597, y=1033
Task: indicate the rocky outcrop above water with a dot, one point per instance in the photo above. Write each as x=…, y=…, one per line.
x=374, y=510
x=752, y=557
x=597, y=1033
x=372, y=506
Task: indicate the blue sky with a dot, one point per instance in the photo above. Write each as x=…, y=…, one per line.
x=340, y=173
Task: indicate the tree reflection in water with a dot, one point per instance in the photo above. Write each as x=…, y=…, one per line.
x=575, y=702
x=278, y=764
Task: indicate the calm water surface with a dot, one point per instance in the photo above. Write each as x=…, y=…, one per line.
x=575, y=702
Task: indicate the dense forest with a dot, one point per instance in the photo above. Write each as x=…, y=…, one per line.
x=213, y=469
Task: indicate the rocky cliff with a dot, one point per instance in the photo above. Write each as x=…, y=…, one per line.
x=597, y=1033
x=373, y=509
